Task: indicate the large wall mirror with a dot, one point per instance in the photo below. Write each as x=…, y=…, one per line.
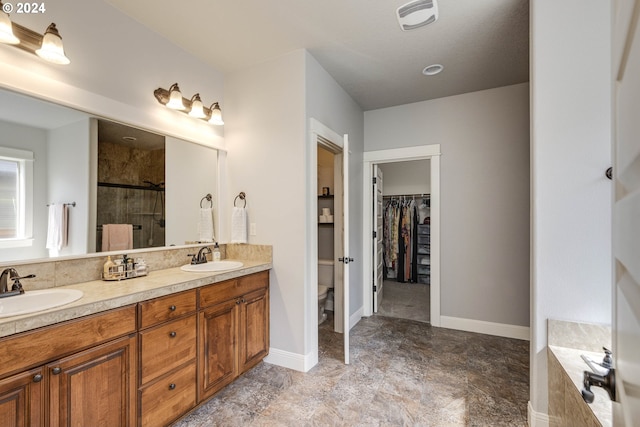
x=106, y=172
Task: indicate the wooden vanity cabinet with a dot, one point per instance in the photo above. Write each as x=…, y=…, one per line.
x=22, y=399
x=94, y=387
x=234, y=330
x=80, y=372
x=168, y=343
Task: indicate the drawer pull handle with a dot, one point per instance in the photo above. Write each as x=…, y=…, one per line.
x=239, y=301
x=172, y=308
x=37, y=378
x=56, y=371
x=172, y=386
x=172, y=334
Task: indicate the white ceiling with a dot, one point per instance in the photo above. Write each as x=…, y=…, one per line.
x=482, y=44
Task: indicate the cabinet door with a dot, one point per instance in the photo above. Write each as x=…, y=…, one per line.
x=253, y=337
x=217, y=362
x=96, y=387
x=21, y=399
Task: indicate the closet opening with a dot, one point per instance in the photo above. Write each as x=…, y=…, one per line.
x=403, y=254
x=404, y=271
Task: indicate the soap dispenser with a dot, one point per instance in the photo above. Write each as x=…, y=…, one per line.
x=107, y=268
x=216, y=252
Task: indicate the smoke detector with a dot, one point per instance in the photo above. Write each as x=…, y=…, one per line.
x=417, y=13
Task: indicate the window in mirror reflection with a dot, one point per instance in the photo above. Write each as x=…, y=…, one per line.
x=15, y=175
x=131, y=188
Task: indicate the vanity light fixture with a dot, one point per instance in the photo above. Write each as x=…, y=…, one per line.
x=6, y=29
x=216, y=115
x=173, y=99
x=48, y=46
x=197, y=109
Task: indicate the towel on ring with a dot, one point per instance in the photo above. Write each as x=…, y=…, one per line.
x=58, y=226
x=239, y=225
x=117, y=237
x=205, y=225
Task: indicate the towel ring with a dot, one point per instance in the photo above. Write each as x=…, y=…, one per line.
x=242, y=197
x=207, y=197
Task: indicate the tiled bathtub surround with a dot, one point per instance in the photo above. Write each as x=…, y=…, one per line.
x=64, y=272
x=567, y=342
x=402, y=373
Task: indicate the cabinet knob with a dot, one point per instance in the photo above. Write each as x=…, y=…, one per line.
x=172, y=308
x=56, y=371
x=37, y=378
x=172, y=334
x=239, y=301
x=172, y=386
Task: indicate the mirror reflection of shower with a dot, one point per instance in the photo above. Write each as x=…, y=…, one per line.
x=157, y=213
x=131, y=183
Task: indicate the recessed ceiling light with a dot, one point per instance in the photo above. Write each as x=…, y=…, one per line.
x=130, y=138
x=432, y=70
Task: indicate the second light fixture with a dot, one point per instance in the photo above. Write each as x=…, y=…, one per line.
x=173, y=99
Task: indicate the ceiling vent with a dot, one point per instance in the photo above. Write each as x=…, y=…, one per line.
x=417, y=14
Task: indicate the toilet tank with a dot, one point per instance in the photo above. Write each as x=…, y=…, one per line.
x=325, y=272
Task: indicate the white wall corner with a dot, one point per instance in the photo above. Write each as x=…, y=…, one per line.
x=295, y=361
x=536, y=419
x=482, y=327
x=355, y=317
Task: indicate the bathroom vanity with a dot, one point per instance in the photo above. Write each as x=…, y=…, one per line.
x=137, y=352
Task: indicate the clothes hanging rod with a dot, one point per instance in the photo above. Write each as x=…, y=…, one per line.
x=417, y=195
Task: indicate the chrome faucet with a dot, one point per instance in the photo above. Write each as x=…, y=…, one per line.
x=16, y=288
x=201, y=257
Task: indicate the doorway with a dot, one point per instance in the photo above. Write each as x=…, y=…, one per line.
x=337, y=145
x=402, y=257
x=372, y=159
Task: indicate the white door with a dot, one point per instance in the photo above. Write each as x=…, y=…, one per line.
x=345, y=260
x=378, y=247
x=626, y=213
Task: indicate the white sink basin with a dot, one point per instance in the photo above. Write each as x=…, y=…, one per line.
x=211, y=266
x=33, y=301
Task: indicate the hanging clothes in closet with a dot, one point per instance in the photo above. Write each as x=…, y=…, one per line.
x=400, y=237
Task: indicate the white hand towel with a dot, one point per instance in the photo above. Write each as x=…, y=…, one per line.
x=205, y=225
x=117, y=237
x=239, y=225
x=57, y=226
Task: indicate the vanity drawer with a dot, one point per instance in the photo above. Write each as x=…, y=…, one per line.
x=22, y=351
x=167, y=347
x=168, y=398
x=162, y=309
x=224, y=291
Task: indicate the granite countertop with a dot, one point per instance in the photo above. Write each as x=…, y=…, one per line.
x=102, y=295
x=574, y=367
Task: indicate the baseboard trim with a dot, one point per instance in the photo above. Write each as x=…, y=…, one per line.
x=536, y=419
x=295, y=361
x=355, y=318
x=482, y=327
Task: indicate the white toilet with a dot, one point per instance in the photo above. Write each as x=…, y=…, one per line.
x=325, y=284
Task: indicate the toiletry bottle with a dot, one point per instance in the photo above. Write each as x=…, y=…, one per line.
x=216, y=252
x=106, y=272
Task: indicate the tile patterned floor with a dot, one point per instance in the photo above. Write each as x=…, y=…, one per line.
x=405, y=301
x=402, y=373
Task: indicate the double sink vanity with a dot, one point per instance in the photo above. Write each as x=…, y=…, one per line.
x=141, y=352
